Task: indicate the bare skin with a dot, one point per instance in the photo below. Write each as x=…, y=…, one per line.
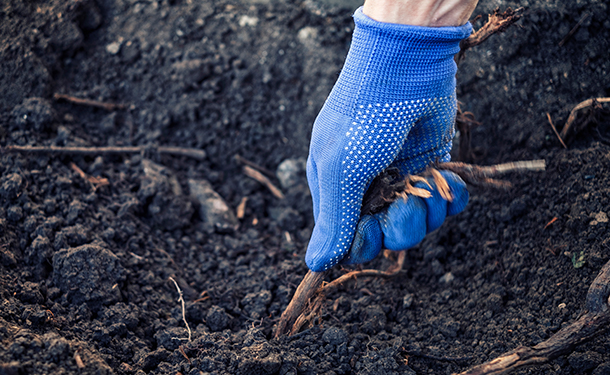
x=430, y=13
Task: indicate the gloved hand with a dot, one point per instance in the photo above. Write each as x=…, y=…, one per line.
x=393, y=104
x=407, y=220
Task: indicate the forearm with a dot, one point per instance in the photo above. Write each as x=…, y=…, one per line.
x=430, y=13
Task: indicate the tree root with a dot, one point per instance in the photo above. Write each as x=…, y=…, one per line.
x=594, y=320
x=497, y=23
x=384, y=189
x=593, y=102
x=312, y=292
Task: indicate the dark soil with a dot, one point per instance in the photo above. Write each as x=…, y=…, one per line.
x=85, y=267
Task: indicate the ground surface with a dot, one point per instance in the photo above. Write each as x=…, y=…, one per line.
x=84, y=268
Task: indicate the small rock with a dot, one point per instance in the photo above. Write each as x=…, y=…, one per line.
x=212, y=208
x=407, y=300
x=63, y=135
x=335, y=336
x=291, y=172
x=307, y=34
x=113, y=48
x=446, y=278
x=598, y=218
x=246, y=20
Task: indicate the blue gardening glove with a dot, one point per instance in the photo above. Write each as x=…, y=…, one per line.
x=393, y=104
x=406, y=221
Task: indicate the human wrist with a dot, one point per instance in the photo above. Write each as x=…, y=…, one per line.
x=429, y=13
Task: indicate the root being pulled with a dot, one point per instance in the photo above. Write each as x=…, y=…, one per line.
x=385, y=188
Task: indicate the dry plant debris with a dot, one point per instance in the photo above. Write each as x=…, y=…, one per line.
x=253, y=173
x=89, y=102
x=95, y=182
x=182, y=304
x=496, y=23
x=174, y=151
x=310, y=294
x=594, y=320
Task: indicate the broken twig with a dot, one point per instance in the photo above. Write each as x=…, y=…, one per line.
x=78, y=360
x=497, y=23
x=574, y=29
x=242, y=160
x=175, y=151
x=89, y=102
x=95, y=182
x=253, y=173
x=594, y=320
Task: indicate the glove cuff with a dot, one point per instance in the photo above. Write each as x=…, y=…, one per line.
x=390, y=63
